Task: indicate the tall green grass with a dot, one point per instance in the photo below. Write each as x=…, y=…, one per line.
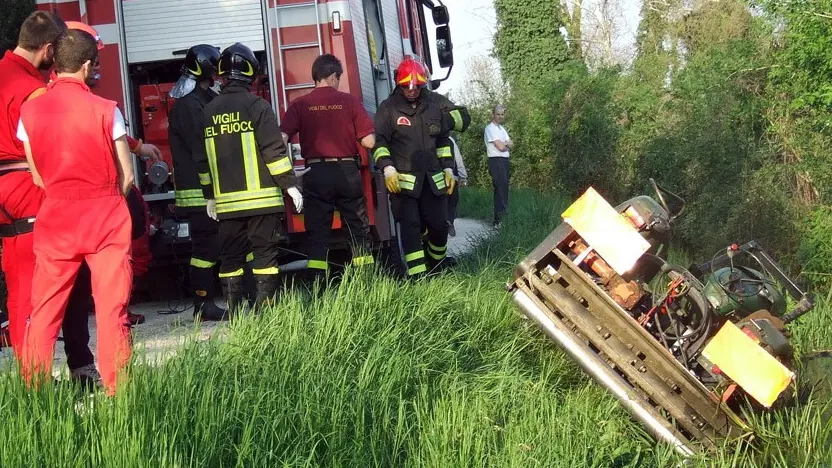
x=375, y=372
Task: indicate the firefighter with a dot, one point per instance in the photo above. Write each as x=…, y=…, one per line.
x=243, y=169
x=84, y=216
x=413, y=150
x=185, y=135
x=20, y=199
x=330, y=123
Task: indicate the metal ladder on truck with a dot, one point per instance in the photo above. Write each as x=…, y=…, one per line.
x=282, y=48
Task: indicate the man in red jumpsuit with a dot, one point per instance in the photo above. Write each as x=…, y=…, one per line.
x=20, y=199
x=138, y=211
x=84, y=216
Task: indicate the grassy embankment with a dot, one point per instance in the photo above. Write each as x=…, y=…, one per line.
x=378, y=372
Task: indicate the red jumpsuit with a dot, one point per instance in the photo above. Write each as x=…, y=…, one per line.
x=84, y=217
x=19, y=196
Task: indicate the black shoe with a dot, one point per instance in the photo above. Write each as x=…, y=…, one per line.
x=87, y=377
x=210, y=312
x=444, y=264
x=135, y=319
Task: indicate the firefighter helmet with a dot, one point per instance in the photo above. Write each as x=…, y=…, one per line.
x=87, y=29
x=201, y=61
x=237, y=62
x=411, y=74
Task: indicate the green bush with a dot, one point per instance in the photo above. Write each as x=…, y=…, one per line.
x=815, y=251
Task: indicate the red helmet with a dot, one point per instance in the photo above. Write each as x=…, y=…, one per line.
x=87, y=29
x=411, y=74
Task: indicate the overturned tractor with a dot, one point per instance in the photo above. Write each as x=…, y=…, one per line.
x=682, y=349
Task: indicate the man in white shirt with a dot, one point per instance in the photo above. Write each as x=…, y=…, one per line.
x=498, y=144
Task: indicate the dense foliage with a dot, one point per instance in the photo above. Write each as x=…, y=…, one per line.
x=529, y=45
x=727, y=103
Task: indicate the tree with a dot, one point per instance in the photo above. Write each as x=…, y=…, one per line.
x=572, y=19
x=528, y=42
x=484, y=87
x=604, y=34
x=13, y=14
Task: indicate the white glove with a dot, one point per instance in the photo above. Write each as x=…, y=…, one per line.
x=297, y=198
x=212, y=209
x=389, y=171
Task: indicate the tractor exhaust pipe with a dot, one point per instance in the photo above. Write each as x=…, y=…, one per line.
x=602, y=374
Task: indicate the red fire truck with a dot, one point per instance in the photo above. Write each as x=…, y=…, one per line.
x=146, y=40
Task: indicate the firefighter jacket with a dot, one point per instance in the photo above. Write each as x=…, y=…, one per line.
x=245, y=164
x=415, y=140
x=454, y=117
x=187, y=142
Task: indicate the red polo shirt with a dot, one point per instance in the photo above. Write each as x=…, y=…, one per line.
x=330, y=123
x=19, y=80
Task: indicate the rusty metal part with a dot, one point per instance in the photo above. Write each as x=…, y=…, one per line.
x=624, y=293
x=764, y=314
x=696, y=413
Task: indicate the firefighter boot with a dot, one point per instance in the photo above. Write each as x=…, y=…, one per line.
x=202, y=282
x=208, y=311
x=232, y=290
x=266, y=290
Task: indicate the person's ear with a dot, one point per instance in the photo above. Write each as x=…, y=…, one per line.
x=48, y=51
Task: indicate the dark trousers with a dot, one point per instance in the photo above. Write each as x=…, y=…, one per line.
x=326, y=187
x=499, y=170
x=75, y=326
x=255, y=234
x=205, y=245
x=412, y=213
x=453, y=202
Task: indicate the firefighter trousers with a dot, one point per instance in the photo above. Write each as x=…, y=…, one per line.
x=205, y=253
x=67, y=233
x=412, y=213
x=255, y=234
x=330, y=186
x=21, y=198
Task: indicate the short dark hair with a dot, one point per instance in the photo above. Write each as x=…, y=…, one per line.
x=325, y=66
x=38, y=29
x=72, y=48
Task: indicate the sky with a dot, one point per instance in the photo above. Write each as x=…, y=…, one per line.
x=472, y=24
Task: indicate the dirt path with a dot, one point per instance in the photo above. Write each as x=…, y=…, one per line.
x=164, y=332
